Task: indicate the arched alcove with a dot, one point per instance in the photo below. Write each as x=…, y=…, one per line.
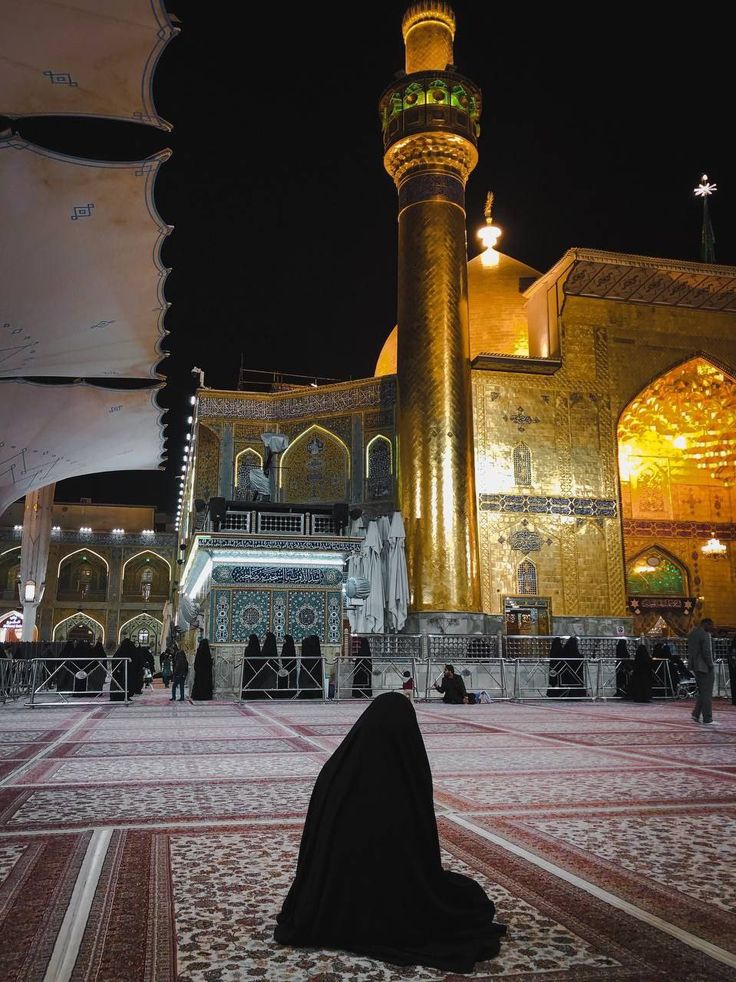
x=143, y=629
x=79, y=626
x=245, y=461
x=379, y=468
x=315, y=467
x=146, y=577
x=82, y=576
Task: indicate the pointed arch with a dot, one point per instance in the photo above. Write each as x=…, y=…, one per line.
x=379, y=466
x=315, y=467
x=145, y=552
x=80, y=577
x=9, y=572
x=668, y=576
x=91, y=552
x=59, y=634
x=245, y=460
x=142, y=621
x=526, y=578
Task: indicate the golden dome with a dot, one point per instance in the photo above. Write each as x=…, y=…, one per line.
x=498, y=322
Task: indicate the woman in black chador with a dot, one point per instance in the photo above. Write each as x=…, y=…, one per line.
x=555, y=667
x=287, y=671
x=310, y=670
x=624, y=666
x=266, y=679
x=573, y=672
x=251, y=666
x=202, y=687
x=362, y=681
x=640, y=683
x=369, y=877
x=97, y=669
x=117, y=685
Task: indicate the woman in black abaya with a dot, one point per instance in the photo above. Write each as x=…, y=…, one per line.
x=362, y=681
x=624, y=666
x=202, y=685
x=266, y=679
x=369, y=877
x=640, y=683
x=97, y=669
x=287, y=672
x=251, y=666
x=310, y=670
x=556, y=666
x=117, y=685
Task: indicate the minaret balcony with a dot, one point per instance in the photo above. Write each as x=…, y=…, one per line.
x=430, y=102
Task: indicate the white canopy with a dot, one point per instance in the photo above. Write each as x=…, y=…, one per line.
x=81, y=280
x=50, y=432
x=86, y=58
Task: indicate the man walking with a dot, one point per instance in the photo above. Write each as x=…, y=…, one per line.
x=700, y=662
x=181, y=668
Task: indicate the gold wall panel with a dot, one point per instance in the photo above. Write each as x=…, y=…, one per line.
x=208, y=463
x=315, y=468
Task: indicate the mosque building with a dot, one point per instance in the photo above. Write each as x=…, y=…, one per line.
x=562, y=445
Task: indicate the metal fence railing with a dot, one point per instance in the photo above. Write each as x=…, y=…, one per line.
x=262, y=677
x=56, y=681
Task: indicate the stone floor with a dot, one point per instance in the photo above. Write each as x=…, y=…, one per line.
x=157, y=841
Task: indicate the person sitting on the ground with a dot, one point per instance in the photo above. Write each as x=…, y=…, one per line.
x=349, y=892
x=452, y=686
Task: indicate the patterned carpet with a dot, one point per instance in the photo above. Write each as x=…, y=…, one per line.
x=157, y=841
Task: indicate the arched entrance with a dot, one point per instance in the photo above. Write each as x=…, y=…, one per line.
x=79, y=627
x=144, y=630
x=677, y=467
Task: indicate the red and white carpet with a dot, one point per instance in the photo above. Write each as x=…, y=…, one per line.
x=157, y=841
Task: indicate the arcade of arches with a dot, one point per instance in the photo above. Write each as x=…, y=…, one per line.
x=677, y=463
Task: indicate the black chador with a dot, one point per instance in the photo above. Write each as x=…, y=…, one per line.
x=97, y=669
x=266, y=679
x=117, y=685
x=362, y=674
x=287, y=671
x=556, y=666
x=202, y=686
x=369, y=877
x=251, y=667
x=310, y=669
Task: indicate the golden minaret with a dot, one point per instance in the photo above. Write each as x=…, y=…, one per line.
x=430, y=129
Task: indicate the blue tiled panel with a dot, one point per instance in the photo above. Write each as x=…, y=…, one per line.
x=306, y=613
x=251, y=613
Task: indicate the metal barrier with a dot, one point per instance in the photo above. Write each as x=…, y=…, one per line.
x=487, y=676
x=15, y=678
x=562, y=678
x=363, y=678
x=276, y=678
x=70, y=677
x=462, y=647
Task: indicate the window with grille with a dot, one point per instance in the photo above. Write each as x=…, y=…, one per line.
x=526, y=576
x=522, y=465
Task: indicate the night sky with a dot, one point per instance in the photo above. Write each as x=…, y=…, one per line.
x=284, y=248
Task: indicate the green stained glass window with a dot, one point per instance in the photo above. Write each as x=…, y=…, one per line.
x=654, y=575
x=413, y=96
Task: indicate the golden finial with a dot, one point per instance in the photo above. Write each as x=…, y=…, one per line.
x=489, y=208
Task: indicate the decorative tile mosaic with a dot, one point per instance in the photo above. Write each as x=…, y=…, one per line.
x=548, y=505
x=306, y=614
x=278, y=575
x=343, y=398
x=286, y=546
x=251, y=614
x=334, y=616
